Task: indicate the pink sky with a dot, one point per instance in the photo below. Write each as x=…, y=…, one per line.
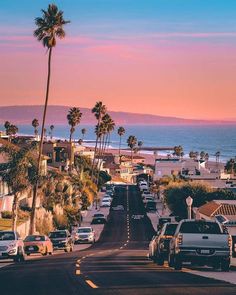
x=163, y=77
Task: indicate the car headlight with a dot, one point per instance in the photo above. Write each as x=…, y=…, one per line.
x=12, y=245
x=64, y=241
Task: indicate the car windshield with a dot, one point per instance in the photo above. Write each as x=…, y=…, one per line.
x=84, y=230
x=57, y=234
x=7, y=236
x=170, y=229
x=200, y=227
x=98, y=215
x=34, y=239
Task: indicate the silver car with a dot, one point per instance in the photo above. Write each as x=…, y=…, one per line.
x=85, y=235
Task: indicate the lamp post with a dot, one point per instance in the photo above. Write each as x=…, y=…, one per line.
x=189, y=202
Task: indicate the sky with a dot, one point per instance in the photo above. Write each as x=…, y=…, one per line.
x=162, y=57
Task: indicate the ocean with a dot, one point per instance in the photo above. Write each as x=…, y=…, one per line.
x=197, y=138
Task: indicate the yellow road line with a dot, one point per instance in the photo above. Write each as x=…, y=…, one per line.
x=91, y=284
x=78, y=272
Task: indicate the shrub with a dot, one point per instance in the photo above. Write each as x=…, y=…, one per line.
x=6, y=214
x=60, y=221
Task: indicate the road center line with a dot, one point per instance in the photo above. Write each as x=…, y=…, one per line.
x=91, y=284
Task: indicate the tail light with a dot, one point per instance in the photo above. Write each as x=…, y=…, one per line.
x=230, y=242
x=179, y=239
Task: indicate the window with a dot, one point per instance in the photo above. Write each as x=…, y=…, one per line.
x=200, y=227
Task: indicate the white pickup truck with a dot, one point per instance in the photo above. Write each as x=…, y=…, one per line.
x=200, y=242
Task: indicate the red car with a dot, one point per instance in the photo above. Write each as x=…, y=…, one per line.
x=38, y=244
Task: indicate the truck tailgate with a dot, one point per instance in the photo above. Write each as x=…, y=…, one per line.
x=205, y=240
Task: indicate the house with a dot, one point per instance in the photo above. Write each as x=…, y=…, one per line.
x=167, y=167
x=136, y=159
x=224, y=208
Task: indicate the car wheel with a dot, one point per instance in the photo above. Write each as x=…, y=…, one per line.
x=20, y=256
x=45, y=252
x=170, y=260
x=225, y=265
x=160, y=260
x=177, y=263
x=28, y=254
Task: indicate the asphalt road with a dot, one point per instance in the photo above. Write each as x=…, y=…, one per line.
x=117, y=264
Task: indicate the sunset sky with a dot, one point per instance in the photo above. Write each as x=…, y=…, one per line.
x=163, y=57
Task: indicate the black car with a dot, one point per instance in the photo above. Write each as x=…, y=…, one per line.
x=61, y=240
x=99, y=218
x=162, y=241
x=150, y=206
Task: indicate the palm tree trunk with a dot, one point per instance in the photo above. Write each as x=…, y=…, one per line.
x=71, y=156
x=14, y=212
x=95, y=150
x=132, y=157
x=119, y=148
x=103, y=146
x=35, y=191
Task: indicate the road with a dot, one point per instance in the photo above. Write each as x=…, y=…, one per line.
x=117, y=264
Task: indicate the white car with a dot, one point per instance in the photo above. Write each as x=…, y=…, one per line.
x=147, y=199
x=11, y=246
x=105, y=203
x=106, y=197
x=85, y=235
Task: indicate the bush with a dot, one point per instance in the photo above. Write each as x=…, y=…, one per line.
x=24, y=215
x=6, y=214
x=60, y=221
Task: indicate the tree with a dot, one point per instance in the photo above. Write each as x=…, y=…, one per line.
x=202, y=155
x=83, y=131
x=132, y=141
x=231, y=166
x=121, y=132
x=51, y=131
x=178, y=151
x=73, y=117
x=99, y=110
x=191, y=154
x=6, y=125
x=140, y=144
x=10, y=129
x=206, y=157
x=217, y=155
x=49, y=28
x=35, y=124
x=19, y=174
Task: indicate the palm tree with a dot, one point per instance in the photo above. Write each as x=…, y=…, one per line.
x=178, y=150
x=51, y=131
x=231, y=166
x=206, y=158
x=121, y=132
x=202, y=155
x=217, y=155
x=132, y=141
x=99, y=110
x=140, y=144
x=191, y=154
x=73, y=117
x=7, y=125
x=35, y=124
x=49, y=28
x=10, y=129
x=83, y=131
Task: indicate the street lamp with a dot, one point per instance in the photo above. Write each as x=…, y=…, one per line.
x=189, y=202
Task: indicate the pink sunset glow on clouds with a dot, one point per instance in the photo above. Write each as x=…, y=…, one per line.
x=165, y=76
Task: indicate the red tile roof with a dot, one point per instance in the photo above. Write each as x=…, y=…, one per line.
x=212, y=209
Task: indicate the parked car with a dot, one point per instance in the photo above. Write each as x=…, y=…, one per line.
x=62, y=240
x=38, y=244
x=200, y=242
x=99, y=218
x=105, y=203
x=160, y=244
x=161, y=221
x=107, y=197
x=11, y=246
x=150, y=206
x=85, y=235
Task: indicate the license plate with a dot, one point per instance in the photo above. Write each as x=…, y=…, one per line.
x=205, y=251
x=31, y=248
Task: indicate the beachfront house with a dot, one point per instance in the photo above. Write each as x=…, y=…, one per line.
x=167, y=167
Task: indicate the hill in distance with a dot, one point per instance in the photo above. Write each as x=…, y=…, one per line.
x=57, y=115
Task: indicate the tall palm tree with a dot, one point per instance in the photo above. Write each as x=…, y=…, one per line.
x=73, y=117
x=35, y=124
x=49, y=28
x=51, y=131
x=83, y=131
x=140, y=144
x=121, y=132
x=217, y=155
x=99, y=110
x=132, y=141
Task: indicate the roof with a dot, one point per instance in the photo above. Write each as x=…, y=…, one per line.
x=212, y=208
